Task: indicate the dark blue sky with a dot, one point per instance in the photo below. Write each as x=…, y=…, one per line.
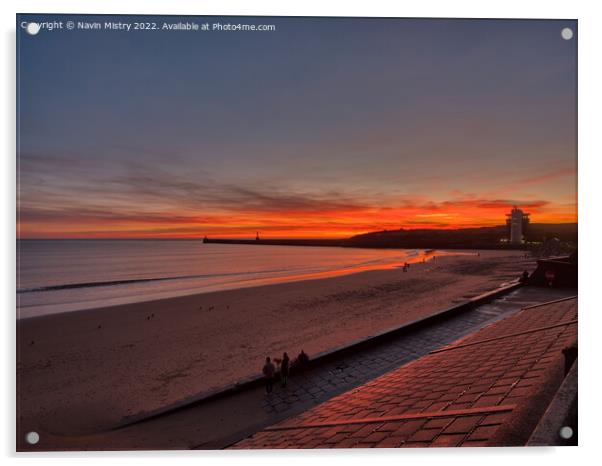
x=392, y=112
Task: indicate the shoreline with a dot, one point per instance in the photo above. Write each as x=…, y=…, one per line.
x=48, y=310
x=111, y=363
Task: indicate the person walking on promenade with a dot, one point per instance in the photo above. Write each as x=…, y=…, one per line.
x=268, y=372
x=284, y=369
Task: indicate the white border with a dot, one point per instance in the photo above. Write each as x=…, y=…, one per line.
x=590, y=225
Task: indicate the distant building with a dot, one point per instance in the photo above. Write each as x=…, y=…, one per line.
x=517, y=222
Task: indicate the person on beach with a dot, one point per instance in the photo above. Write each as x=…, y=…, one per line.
x=284, y=369
x=268, y=372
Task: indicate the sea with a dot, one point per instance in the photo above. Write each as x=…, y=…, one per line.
x=56, y=276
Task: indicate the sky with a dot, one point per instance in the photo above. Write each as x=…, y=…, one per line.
x=321, y=128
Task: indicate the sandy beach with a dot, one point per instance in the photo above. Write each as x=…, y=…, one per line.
x=84, y=371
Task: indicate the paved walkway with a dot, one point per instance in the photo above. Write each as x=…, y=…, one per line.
x=224, y=421
x=486, y=389
x=324, y=382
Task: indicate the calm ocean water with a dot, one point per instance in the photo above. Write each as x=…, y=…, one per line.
x=66, y=275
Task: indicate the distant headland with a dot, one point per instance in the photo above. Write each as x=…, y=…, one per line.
x=559, y=236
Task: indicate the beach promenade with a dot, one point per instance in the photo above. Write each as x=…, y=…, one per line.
x=488, y=389
x=223, y=421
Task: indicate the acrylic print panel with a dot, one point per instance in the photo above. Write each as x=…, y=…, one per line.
x=273, y=232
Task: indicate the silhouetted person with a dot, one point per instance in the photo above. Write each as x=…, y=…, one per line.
x=303, y=358
x=300, y=362
x=284, y=369
x=268, y=372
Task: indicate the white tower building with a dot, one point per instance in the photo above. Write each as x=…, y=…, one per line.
x=515, y=220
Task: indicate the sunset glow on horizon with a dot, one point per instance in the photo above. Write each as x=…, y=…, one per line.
x=341, y=223
x=325, y=128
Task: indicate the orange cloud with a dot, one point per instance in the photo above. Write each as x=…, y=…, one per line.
x=327, y=223
x=149, y=202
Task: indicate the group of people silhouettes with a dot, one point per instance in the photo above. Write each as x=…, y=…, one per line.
x=280, y=369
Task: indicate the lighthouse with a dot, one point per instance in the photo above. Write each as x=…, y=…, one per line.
x=517, y=222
